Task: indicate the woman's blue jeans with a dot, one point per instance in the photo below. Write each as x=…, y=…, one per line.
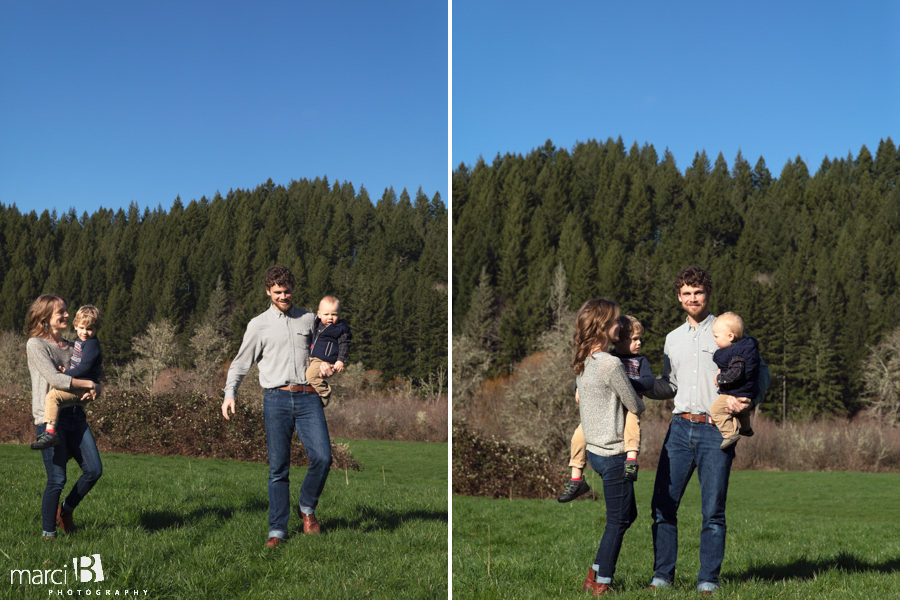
x=285, y=412
x=76, y=441
x=621, y=511
x=689, y=446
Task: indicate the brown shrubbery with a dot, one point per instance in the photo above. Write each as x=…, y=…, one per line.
x=497, y=412
x=141, y=423
x=486, y=466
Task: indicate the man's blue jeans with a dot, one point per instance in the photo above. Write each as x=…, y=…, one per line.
x=690, y=446
x=76, y=441
x=621, y=511
x=284, y=412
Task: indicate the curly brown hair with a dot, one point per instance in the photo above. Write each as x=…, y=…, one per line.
x=591, y=326
x=280, y=276
x=694, y=277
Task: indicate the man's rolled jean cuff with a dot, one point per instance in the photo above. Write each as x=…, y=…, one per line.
x=659, y=582
x=598, y=578
x=307, y=510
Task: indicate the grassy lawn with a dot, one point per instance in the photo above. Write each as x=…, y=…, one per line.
x=196, y=528
x=791, y=535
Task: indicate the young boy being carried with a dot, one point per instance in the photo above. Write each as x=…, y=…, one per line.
x=331, y=344
x=738, y=362
x=637, y=369
x=85, y=364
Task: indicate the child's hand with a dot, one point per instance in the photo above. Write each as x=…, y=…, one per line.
x=339, y=366
x=61, y=369
x=576, y=397
x=326, y=369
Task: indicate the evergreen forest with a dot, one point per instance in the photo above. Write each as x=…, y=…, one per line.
x=811, y=261
x=386, y=261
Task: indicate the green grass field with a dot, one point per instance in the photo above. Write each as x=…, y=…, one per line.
x=790, y=535
x=196, y=528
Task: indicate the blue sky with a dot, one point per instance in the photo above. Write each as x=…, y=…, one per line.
x=772, y=79
x=105, y=103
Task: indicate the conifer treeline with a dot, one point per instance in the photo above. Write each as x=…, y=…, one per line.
x=811, y=262
x=387, y=263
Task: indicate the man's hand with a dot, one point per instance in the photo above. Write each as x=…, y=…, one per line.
x=736, y=405
x=227, y=405
x=92, y=393
x=339, y=366
x=326, y=369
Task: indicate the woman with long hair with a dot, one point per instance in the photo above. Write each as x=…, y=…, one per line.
x=605, y=395
x=47, y=351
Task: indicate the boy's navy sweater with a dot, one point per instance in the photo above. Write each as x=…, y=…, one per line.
x=739, y=364
x=86, y=361
x=331, y=343
x=637, y=369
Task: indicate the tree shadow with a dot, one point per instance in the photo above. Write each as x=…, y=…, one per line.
x=367, y=518
x=804, y=568
x=158, y=520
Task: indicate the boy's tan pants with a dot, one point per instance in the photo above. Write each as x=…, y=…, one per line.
x=730, y=423
x=54, y=399
x=316, y=380
x=578, y=455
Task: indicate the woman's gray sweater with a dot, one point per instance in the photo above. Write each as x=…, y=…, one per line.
x=605, y=394
x=43, y=358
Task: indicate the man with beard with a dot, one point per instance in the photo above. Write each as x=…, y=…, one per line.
x=278, y=342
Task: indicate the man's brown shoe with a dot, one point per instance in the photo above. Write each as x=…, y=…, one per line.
x=310, y=525
x=600, y=588
x=64, y=520
x=590, y=580
x=273, y=541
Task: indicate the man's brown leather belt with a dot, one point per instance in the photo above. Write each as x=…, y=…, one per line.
x=299, y=387
x=697, y=418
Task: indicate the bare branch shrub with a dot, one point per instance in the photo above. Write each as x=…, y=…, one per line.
x=157, y=349
x=209, y=348
x=881, y=379
x=540, y=410
x=14, y=378
x=474, y=346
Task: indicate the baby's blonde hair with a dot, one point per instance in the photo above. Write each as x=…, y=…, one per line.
x=330, y=300
x=88, y=315
x=733, y=322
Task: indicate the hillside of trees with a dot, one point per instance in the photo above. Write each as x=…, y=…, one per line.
x=386, y=262
x=810, y=260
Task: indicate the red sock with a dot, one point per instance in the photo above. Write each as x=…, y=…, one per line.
x=51, y=429
x=579, y=479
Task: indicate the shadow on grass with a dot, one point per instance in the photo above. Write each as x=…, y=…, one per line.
x=158, y=520
x=803, y=568
x=366, y=518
